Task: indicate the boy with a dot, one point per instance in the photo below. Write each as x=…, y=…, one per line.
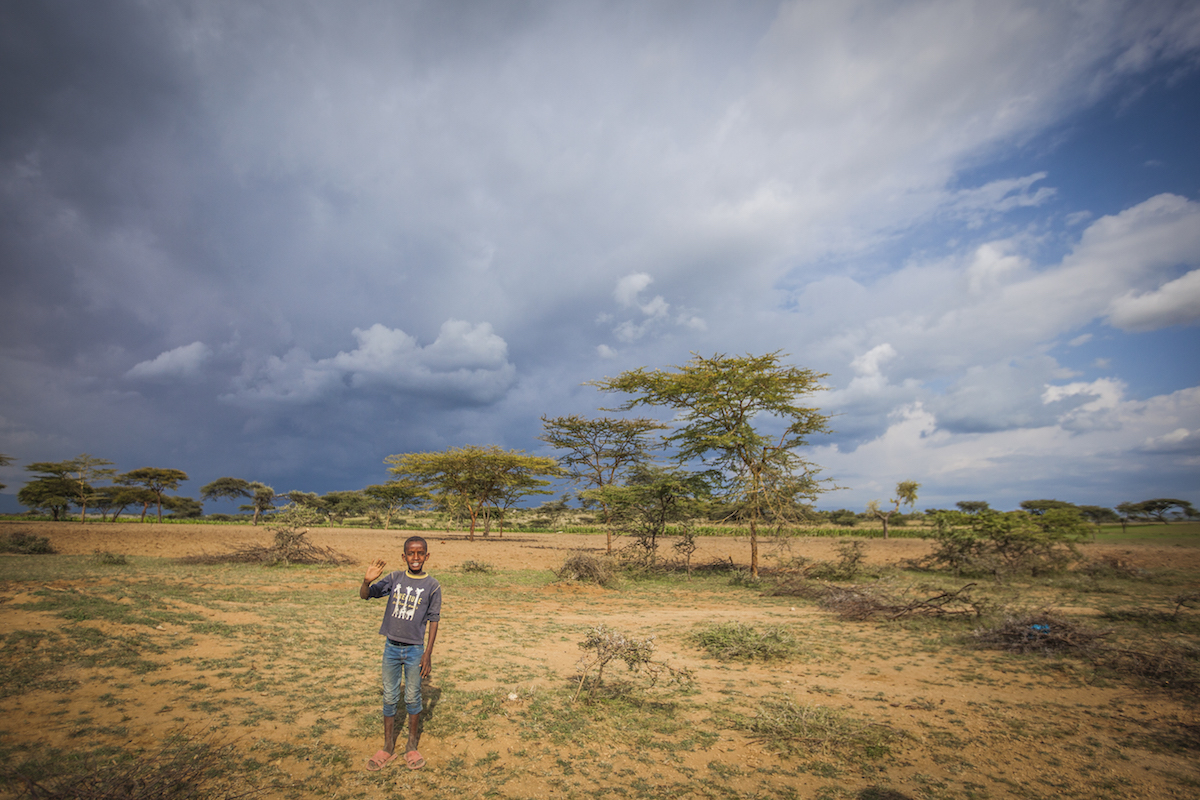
x=414, y=599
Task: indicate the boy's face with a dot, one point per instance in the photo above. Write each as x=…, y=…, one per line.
x=415, y=555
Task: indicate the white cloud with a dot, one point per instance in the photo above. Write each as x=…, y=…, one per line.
x=1176, y=302
x=629, y=287
x=184, y=362
x=466, y=364
x=1094, y=444
x=978, y=205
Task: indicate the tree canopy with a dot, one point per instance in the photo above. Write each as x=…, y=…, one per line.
x=156, y=479
x=396, y=495
x=596, y=452
x=477, y=477
x=741, y=417
x=1158, y=509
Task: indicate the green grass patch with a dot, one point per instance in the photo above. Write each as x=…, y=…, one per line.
x=783, y=724
x=737, y=641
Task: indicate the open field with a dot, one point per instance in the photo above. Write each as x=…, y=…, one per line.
x=105, y=661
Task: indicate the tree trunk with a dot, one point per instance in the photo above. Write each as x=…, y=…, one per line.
x=753, y=547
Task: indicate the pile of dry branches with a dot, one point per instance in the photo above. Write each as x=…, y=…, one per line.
x=1041, y=631
x=1169, y=665
x=881, y=600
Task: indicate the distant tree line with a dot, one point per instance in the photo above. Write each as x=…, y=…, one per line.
x=732, y=452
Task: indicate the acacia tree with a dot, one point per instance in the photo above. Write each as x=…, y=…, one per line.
x=49, y=492
x=652, y=499
x=396, y=495
x=157, y=479
x=1040, y=507
x=906, y=494
x=73, y=478
x=4, y=462
x=598, y=451
x=741, y=416
x=518, y=484
x=123, y=496
x=1158, y=508
x=226, y=488
x=262, y=499
x=476, y=477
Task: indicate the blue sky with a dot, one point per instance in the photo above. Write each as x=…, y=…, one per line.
x=282, y=242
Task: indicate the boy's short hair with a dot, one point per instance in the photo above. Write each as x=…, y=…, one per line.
x=420, y=539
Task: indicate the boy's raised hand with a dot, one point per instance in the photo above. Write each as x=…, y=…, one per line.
x=374, y=570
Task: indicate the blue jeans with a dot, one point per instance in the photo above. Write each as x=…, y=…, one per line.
x=402, y=660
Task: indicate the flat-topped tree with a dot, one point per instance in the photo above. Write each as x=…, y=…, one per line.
x=396, y=495
x=742, y=417
x=597, y=452
x=473, y=476
x=1040, y=507
x=4, y=462
x=226, y=488
x=261, y=495
x=1158, y=508
x=49, y=492
x=157, y=479
x=73, y=478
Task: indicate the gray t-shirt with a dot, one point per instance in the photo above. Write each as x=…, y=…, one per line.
x=413, y=600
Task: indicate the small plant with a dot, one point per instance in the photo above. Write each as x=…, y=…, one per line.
x=846, y=568
x=477, y=566
x=739, y=642
x=686, y=547
x=603, y=645
x=109, y=559
x=785, y=725
x=586, y=568
x=26, y=544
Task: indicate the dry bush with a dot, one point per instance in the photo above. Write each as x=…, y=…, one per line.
x=1171, y=666
x=587, y=568
x=1184, y=600
x=1110, y=566
x=1040, y=631
x=603, y=645
x=881, y=600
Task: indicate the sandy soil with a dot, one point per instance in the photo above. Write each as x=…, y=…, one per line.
x=1026, y=734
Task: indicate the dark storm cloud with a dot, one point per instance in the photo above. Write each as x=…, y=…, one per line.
x=286, y=240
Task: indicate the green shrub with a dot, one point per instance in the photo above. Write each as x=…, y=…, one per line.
x=783, y=724
x=477, y=566
x=25, y=543
x=739, y=642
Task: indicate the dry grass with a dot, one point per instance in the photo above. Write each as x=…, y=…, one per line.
x=188, y=768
